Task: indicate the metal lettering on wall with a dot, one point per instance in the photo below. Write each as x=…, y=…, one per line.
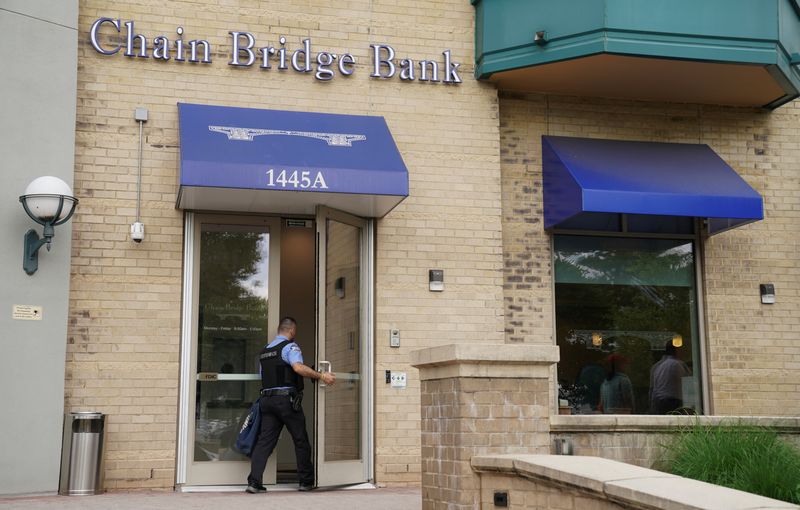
x=244, y=52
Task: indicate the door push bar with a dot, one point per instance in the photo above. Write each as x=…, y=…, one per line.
x=214, y=376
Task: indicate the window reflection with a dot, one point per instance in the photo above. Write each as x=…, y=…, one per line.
x=232, y=329
x=624, y=305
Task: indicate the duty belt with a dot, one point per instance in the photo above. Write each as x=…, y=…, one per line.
x=277, y=392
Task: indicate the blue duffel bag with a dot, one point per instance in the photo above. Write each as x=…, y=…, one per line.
x=248, y=434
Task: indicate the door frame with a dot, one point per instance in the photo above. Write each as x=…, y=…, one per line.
x=188, y=333
x=367, y=286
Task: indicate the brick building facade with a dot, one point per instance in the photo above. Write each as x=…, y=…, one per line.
x=125, y=298
x=752, y=356
x=474, y=210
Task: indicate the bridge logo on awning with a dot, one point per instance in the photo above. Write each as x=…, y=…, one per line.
x=248, y=134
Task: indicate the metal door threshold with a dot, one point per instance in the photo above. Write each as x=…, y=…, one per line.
x=281, y=487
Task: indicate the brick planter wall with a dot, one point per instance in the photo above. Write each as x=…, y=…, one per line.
x=479, y=399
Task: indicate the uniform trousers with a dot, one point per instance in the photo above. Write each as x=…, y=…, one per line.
x=276, y=411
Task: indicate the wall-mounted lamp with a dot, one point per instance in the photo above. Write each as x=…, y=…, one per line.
x=49, y=202
x=767, y=293
x=597, y=339
x=436, y=280
x=677, y=340
x=540, y=38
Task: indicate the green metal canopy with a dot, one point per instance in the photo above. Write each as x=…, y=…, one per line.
x=741, y=52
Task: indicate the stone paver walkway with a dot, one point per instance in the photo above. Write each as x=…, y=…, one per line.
x=383, y=499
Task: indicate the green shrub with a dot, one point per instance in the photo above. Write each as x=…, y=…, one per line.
x=743, y=457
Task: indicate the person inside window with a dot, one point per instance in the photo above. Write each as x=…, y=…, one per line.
x=616, y=391
x=666, y=377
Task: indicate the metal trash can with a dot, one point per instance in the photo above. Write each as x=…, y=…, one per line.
x=82, y=454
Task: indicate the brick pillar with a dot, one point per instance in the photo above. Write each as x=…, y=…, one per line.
x=479, y=399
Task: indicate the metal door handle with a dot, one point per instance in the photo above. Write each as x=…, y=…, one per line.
x=322, y=370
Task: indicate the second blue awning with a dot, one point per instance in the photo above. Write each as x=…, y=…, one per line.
x=582, y=175
x=253, y=160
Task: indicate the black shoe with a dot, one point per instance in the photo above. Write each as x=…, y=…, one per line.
x=306, y=487
x=255, y=488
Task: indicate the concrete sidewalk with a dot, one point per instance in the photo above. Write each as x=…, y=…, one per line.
x=384, y=499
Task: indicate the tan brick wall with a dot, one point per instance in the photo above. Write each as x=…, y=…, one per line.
x=535, y=495
x=637, y=448
x=641, y=440
x=125, y=298
x=464, y=417
x=753, y=352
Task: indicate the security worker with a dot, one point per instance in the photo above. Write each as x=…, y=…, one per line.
x=282, y=372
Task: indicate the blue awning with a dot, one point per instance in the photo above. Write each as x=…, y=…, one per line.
x=250, y=160
x=668, y=179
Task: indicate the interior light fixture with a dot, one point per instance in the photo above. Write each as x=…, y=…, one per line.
x=677, y=340
x=597, y=339
x=49, y=202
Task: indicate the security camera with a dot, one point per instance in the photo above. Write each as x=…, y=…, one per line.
x=137, y=232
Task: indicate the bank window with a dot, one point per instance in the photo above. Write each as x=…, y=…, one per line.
x=626, y=325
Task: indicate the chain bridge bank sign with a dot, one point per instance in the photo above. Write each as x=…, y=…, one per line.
x=244, y=52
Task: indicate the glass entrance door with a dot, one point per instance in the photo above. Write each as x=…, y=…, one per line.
x=235, y=309
x=342, y=433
